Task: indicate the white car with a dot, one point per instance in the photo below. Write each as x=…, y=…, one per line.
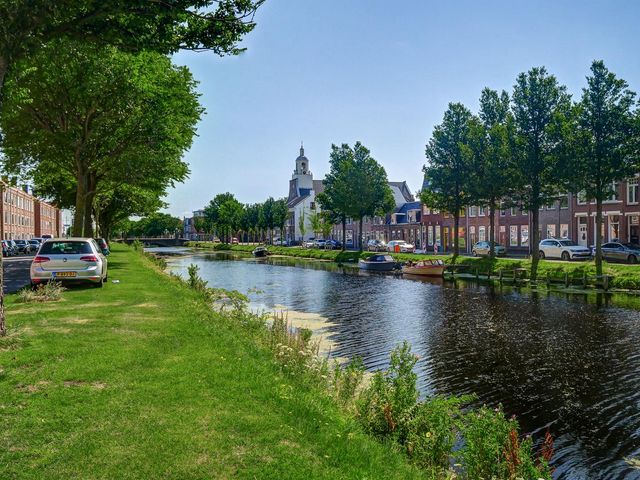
x=563, y=249
x=403, y=246
x=69, y=260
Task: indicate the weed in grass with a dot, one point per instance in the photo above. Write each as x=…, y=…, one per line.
x=45, y=292
x=137, y=245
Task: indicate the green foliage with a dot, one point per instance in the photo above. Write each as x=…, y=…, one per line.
x=446, y=174
x=83, y=122
x=431, y=432
x=137, y=245
x=391, y=395
x=492, y=448
x=154, y=226
x=194, y=281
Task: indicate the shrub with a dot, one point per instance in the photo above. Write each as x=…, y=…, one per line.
x=492, y=448
x=346, y=380
x=431, y=432
x=391, y=394
x=195, y=281
x=137, y=245
x=45, y=292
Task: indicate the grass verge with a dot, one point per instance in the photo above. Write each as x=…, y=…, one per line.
x=142, y=379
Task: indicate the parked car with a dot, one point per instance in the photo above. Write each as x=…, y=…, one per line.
x=374, y=245
x=563, y=249
x=46, y=236
x=234, y=241
x=104, y=246
x=309, y=243
x=332, y=244
x=484, y=248
x=620, y=252
x=319, y=243
x=14, y=247
x=403, y=246
x=69, y=259
x=35, y=244
x=23, y=246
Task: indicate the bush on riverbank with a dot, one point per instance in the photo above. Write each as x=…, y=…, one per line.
x=388, y=408
x=624, y=276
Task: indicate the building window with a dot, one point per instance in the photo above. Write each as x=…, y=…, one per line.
x=614, y=228
x=551, y=231
x=430, y=235
x=564, y=202
x=564, y=230
x=513, y=211
x=472, y=235
x=473, y=211
x=513, y=236
x=524, y=235
x=632, y=191
x=482, y=234
x=481, y=211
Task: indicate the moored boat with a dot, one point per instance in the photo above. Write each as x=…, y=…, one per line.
x=379, y=263
x=260, y=252
x=431, y=268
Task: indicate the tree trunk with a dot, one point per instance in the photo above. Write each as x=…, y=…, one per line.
x=88, y=206
x=360, y=236
x=82, y=179
x=492, y=228
x=456, y=234
x=344, y=233
x=535, y=240
x=3, y=325
x=598, y=236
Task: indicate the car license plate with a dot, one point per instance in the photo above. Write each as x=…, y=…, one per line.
x=64, y=274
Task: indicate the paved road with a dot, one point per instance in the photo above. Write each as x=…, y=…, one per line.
x=16, y=273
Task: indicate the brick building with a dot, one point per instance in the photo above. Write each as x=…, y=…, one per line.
x=620, y=215
x=24, y=216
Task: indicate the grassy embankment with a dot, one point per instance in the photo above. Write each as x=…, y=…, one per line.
x=624, y=276
x=142, y=380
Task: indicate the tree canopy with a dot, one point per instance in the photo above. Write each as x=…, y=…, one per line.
x=80, y=118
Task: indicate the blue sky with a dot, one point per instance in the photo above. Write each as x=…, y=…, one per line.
x=381, y=72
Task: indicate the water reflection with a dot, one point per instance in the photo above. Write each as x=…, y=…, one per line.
x=564, y=364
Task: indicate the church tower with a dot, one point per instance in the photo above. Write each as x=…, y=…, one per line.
x=302, y=173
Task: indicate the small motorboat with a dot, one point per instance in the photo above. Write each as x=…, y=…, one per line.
x=430, y=268
x=379, y=263
x=259, y=252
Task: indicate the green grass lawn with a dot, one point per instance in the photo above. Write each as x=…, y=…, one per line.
x=624, y=276
x=141, y=380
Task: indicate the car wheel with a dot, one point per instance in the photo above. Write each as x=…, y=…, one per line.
x=632, y=259
x=541, y=255
x=474, y=253
x=565, y=256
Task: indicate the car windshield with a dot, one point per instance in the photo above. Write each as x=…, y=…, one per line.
x=65, y=248
x=568, y=243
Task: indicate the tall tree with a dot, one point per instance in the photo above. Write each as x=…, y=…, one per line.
x=370, y=189
x=212, y=211
x=338, y=194
x=448, y=166
x=490, y=149
x=267, y=217
x=280, y=215
x=601, y=141
x=132, y=25
x=92, y=113
x=538, y=104
x=302, y=223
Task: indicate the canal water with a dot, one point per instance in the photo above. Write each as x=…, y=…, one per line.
x=567, y=364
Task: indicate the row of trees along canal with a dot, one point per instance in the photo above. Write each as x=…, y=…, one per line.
x=356, y=187
x=524, y=149
x=92, y=111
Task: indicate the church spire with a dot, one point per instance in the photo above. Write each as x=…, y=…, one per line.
x=301, y=148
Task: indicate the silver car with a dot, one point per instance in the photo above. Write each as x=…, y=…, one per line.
x=484, y=248
x=69, y=260
x=620, y=252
